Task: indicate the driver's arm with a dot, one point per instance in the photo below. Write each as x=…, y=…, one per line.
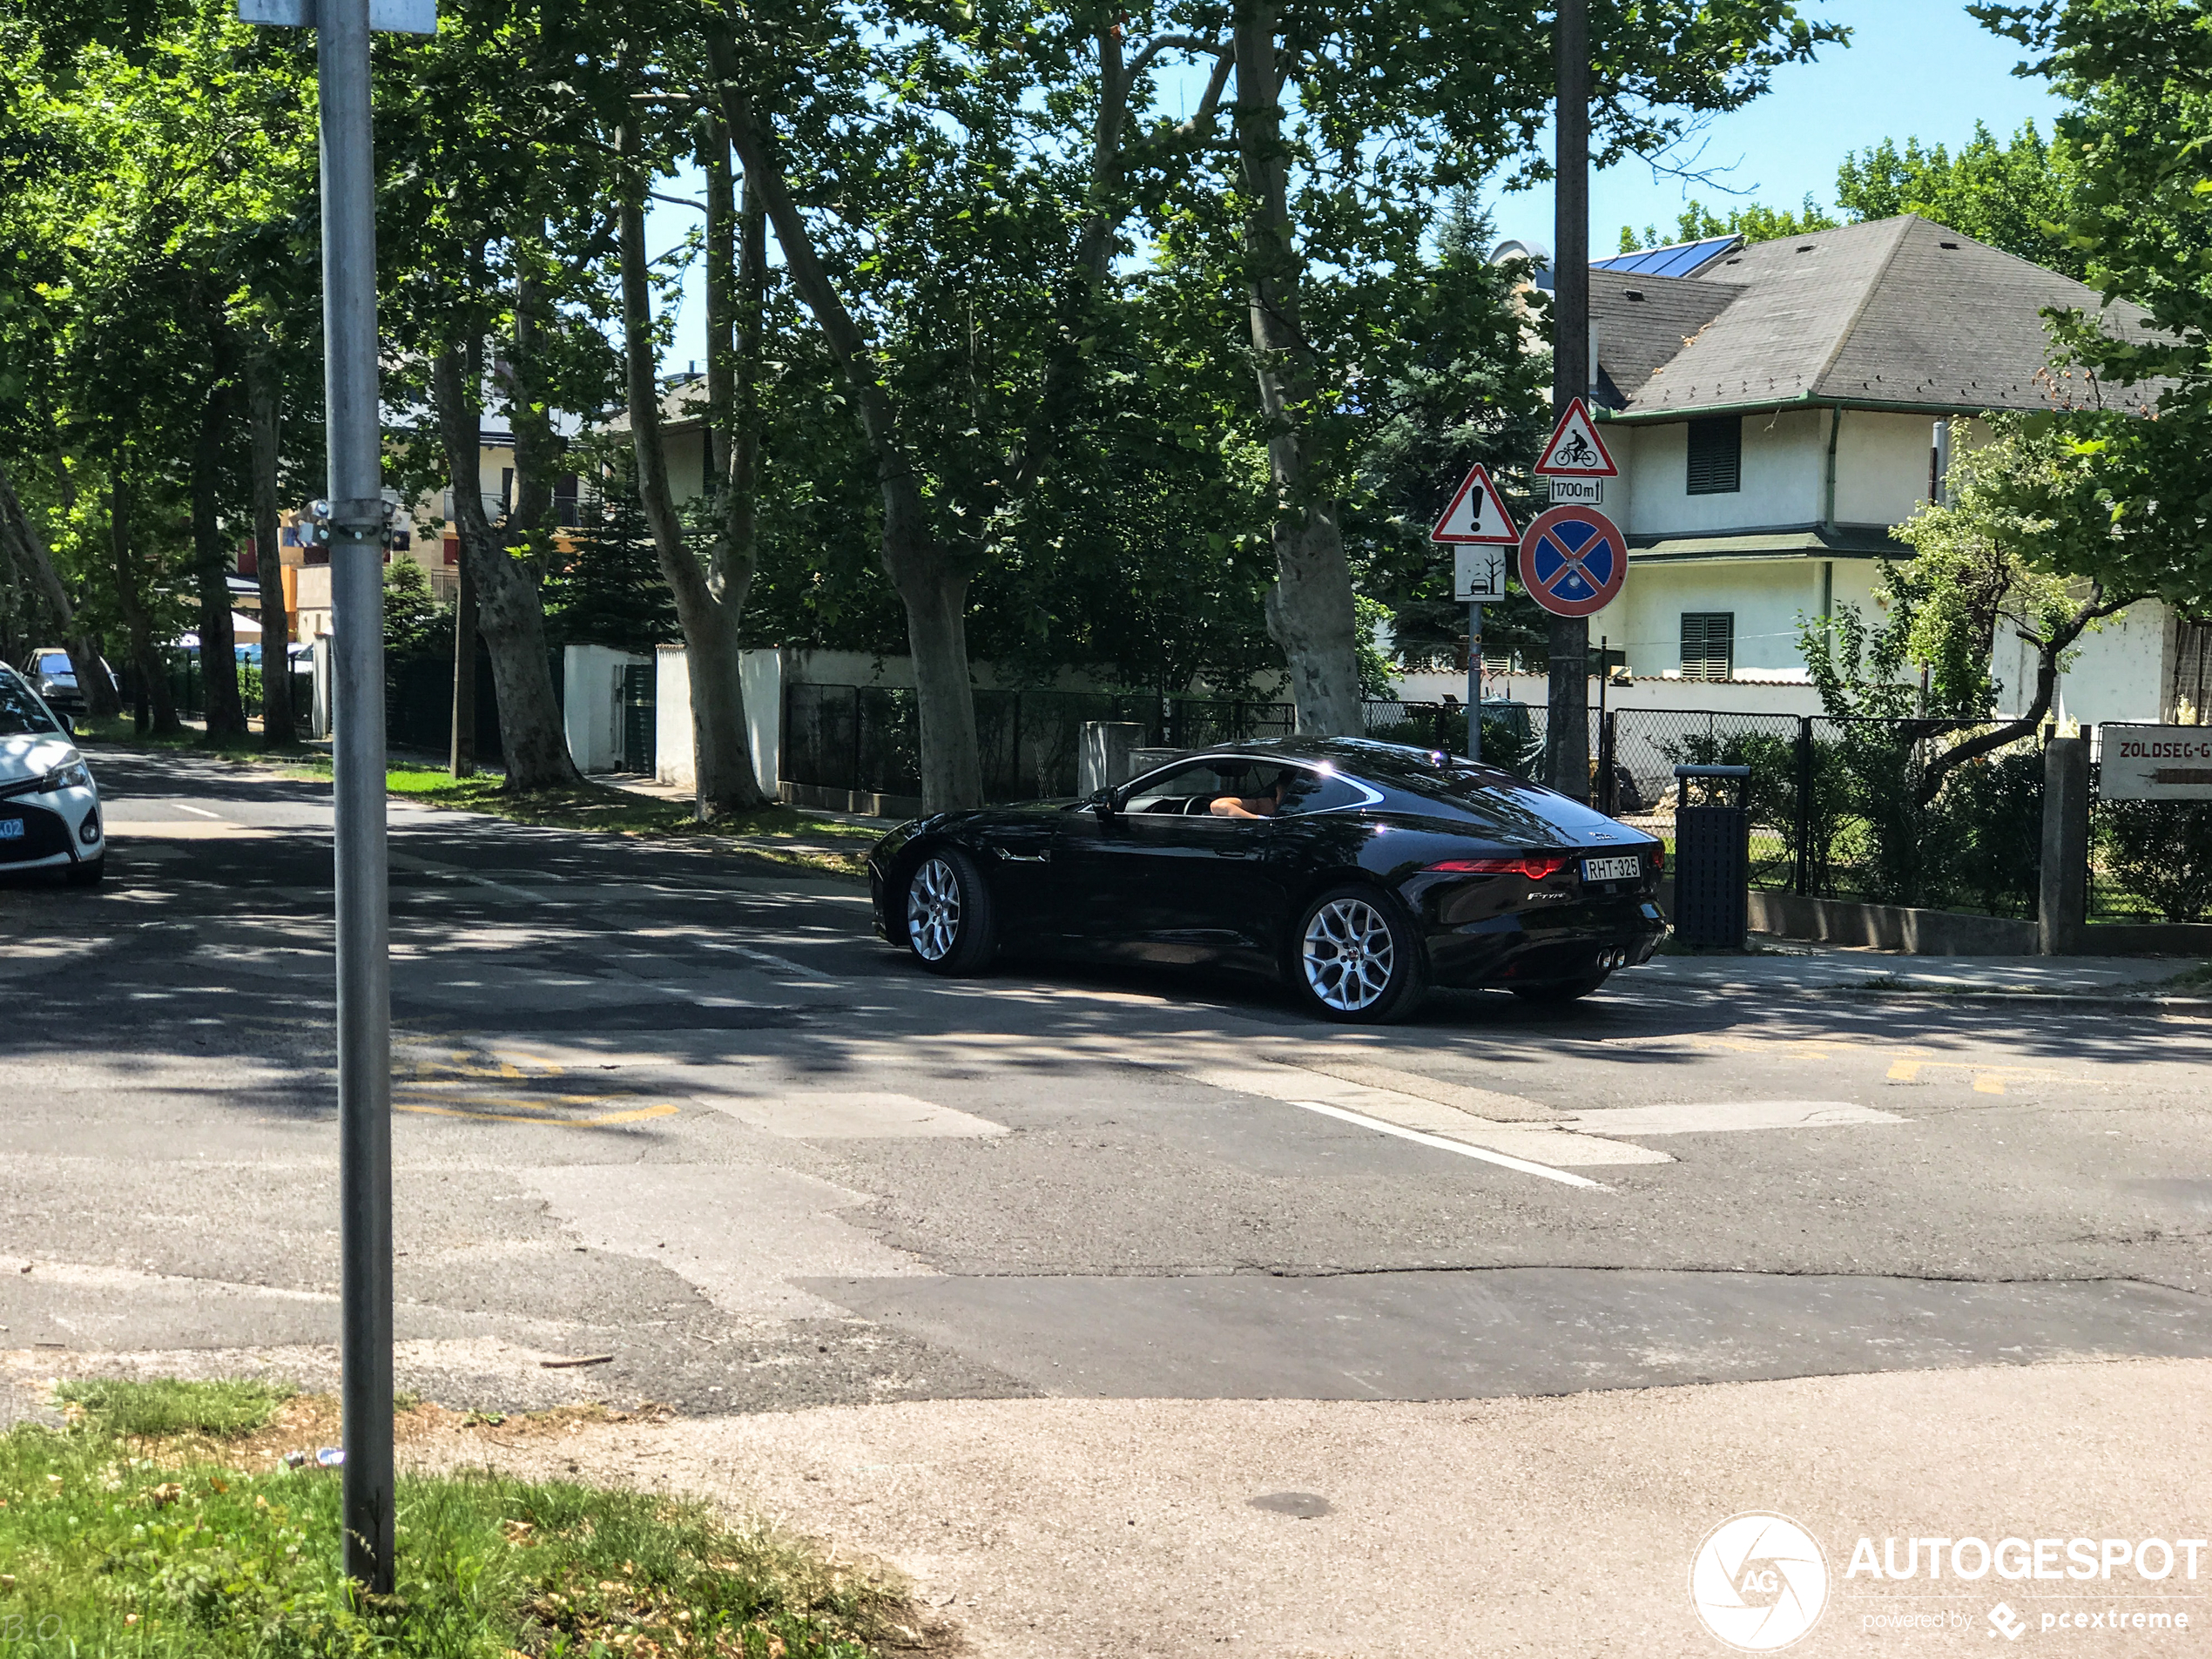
x=1232, y=807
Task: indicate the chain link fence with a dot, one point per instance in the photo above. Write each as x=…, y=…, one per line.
x=1842, y=809
x=2149, y=860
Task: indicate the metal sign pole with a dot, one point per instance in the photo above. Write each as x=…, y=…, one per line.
x=357, y=538
x=1475, y=681
x=1566, y=729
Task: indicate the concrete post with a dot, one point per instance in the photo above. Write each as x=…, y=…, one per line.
x=1102, y=758
x=2063, y=909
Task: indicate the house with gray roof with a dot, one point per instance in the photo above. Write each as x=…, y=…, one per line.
x=1773, y=407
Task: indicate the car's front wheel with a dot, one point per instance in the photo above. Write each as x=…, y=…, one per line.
x=948, y=913
x=1357, y=957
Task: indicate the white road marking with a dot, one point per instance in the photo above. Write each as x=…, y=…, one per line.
x=1566, y=1178
x=1531, y=1144
x=198, y=812
x=1727, y=1117
x=852, y=1116
x=766, y=960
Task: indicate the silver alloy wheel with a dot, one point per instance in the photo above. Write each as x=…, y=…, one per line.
x=933, y=910
x=1348, y=954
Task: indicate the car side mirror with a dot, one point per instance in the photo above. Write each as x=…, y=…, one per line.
x=1107, y=803
x=69, y=726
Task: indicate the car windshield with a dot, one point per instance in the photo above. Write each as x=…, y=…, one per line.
x=19, y=710
x=54, y=662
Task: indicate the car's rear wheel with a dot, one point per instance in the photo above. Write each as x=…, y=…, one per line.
x=947, y=911
x=1357, y=957
x=88, y=874
x=1560, y=990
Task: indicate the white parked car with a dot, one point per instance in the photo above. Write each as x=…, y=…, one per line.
x=50, y=807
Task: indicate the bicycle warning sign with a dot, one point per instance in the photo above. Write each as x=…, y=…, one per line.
x=1575, y=450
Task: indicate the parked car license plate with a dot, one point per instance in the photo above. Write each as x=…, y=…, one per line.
x=1612, y=869
x=11, y=829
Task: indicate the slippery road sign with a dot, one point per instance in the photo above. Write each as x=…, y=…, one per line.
x=1572, y=560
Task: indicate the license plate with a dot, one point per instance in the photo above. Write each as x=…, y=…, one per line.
x=1612, y=869
x=11, y=829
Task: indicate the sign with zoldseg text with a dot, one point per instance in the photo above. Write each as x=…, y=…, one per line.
x=2155, y=762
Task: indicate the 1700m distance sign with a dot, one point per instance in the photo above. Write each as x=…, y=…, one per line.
x=1572, y=560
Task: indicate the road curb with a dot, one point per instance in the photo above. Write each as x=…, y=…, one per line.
x=2055, y=1000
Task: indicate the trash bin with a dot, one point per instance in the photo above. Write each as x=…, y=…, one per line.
x=1712, y=858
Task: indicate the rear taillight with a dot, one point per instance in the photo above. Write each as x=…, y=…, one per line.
x=1659, y=858
x=1536, y=865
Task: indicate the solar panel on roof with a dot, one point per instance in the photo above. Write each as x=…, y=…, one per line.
x=1678, y=259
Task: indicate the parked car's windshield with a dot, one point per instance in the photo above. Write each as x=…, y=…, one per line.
x=54, y=662
x=19, y=710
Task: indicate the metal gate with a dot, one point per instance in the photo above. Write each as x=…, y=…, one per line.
x=640, y=726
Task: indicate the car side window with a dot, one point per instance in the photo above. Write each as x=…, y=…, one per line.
x=1318, y=792
x=1175, y=791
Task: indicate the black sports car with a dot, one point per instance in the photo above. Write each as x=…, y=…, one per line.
x=1360, y=874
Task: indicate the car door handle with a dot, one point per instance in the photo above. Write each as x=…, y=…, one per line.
x=1025, y=858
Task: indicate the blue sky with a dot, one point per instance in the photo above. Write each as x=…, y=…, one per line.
x=1915, y=69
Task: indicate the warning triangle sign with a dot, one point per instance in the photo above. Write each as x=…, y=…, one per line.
x=1575, y=450
x=1476, y=513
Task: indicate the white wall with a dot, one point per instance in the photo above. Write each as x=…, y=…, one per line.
x=674, y=763
x=2120, y=672
x=1785, y=472
x=591, y=703
x=1882, y=467
x=1718, y=697
x=760, y=677
x=1766, y=595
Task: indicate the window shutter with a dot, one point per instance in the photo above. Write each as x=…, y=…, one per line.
x=1707, y=644
x=1717, y=457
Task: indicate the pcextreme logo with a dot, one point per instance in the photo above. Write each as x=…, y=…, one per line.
x=1758, y=1582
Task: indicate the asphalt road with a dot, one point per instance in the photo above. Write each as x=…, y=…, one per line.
x=663, y=1104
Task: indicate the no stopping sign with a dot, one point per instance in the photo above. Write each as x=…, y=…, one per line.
x=1572, y=560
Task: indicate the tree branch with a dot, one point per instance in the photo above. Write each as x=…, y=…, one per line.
x=2048, y=650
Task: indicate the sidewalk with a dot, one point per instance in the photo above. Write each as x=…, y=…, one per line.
x=1784, y=965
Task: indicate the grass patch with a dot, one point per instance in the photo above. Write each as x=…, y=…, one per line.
x=111, y=1545
x=2197, y=979
x=170, y=1409
x=767, y=833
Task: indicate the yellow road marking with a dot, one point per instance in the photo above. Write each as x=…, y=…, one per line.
x=600, y=1121
x=1988, y=1079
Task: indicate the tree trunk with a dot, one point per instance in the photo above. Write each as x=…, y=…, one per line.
x=1310, y=612
x=929, y=580
x=218, y=640
x=463, y=758
x=102, y=701
x=264, y=394
x=510, y=614
x=709, y=602
x=138, y=624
